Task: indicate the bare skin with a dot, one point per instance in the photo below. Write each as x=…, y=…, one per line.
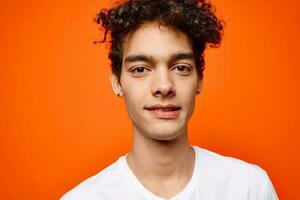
x=161, y=157
x=163, y=167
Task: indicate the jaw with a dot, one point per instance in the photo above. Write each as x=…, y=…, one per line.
x=159, y=129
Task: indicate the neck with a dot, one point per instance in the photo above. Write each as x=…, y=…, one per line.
x=158, y=160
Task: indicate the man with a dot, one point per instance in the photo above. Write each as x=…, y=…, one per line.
x=157, y=63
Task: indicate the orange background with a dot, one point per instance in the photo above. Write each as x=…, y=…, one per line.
x=61, y=123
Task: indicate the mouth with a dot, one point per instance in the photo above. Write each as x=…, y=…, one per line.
x=164, y=111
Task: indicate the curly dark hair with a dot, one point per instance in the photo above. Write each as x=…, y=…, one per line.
x=195, y=18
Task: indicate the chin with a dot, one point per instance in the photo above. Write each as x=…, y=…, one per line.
x=165, y=135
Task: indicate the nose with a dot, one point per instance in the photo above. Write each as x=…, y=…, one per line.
x=162, y=84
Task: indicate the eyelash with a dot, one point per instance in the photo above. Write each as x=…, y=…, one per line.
x=188, y=69
x=134, y=69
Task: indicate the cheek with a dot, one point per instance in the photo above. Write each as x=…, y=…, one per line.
x=187, y=94
x=134, y=95
x=187, y=89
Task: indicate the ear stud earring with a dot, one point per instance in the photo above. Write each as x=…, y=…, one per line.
x=119, y=94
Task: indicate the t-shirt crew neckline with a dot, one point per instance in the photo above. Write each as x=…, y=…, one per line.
x=183, y=194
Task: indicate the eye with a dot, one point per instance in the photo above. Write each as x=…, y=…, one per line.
x=184, y=69
x=139, y=70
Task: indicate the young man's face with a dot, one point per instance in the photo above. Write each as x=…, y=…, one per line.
x=159, y=81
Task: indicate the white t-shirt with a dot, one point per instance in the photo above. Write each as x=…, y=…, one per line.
x=215, y=177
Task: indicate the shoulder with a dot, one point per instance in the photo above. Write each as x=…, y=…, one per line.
x=234, y=173
x=229, y=165
x=92, y=187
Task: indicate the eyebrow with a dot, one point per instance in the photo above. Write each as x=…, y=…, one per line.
x=175, y=57
x=135, y=58
x=181, y=56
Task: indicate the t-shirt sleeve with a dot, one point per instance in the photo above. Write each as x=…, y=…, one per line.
x=269, y=192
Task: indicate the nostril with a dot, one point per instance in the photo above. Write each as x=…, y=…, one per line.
x=163, y=90
x=170, y=92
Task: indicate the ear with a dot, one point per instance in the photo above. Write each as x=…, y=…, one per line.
x=116, y=86
x=199, y=85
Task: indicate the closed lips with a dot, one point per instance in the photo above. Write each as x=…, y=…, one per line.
x=163, y=108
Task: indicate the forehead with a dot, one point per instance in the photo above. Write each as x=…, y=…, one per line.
x=158, y=41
